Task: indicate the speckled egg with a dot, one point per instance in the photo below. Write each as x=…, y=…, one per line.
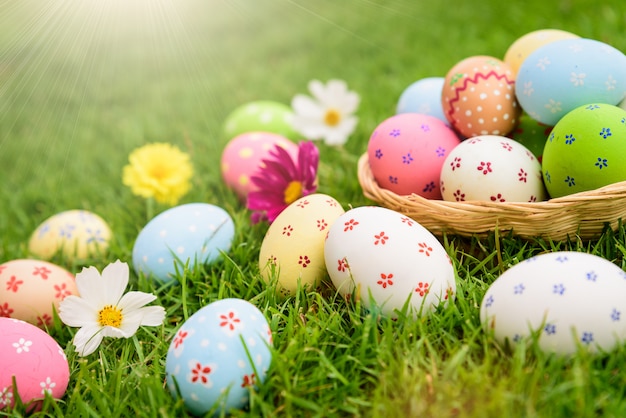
x=35, y=360
x=586, y=150
x=220, y=354
x=263, y=116
x=492, y=168
x=31, y=290
x=478, y=97
x=531, y=134
x=563, y=75
x=77, y=234
x=193, y=234
x=243, y=156
x=388, y=261
x=292, y=251
x=423, y=96
x=406, y=152
x=566, y=300
x=526, y=44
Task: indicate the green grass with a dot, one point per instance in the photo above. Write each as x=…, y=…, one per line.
x=84, y=83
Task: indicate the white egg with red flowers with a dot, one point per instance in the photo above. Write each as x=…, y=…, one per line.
x=386, y=259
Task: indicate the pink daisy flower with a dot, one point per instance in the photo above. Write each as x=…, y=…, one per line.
x=281, y=181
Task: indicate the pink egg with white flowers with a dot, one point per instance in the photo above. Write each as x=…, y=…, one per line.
x=243, y=156
x=31, y=290
x=35, y=360
x=406, y=153
x=492, y=168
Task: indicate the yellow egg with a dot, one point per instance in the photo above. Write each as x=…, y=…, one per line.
x=525, y=45
x=292, y=252
x=77, y=234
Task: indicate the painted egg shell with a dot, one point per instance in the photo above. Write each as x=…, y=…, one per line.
x=406, y=153
x=243, y=156
x=525, y=45
x=78, y=234
x=292, y=251
x=261, y=115
x=492, y=168
x=424, y=97
x=586, y=150
x=194, y=233
x=567, y=299
x=31, y=290
x=478, y=97
x=388, y=259
x=531, y=134
x=218, y=355
x=36, y=361
x=563, y=75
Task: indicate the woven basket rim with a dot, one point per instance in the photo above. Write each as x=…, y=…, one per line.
x=587, y=212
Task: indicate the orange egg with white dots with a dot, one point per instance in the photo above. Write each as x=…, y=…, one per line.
x=244, y=154
x=478, y=97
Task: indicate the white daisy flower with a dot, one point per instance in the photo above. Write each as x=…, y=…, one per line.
x=329, y=114
x=103, y=310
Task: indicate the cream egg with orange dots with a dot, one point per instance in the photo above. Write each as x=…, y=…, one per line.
x=478, y=97
x=525, y=45
x=243, y=155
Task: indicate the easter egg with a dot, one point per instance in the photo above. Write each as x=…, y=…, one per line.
x=585, y=150
x=526, y=44
x=292, y=251
x=31, y=290
x=565, y=299
x=243, y=156
x=388, y=261
x=77, y=234
x=261, y=115
x=218, y=356
x=531, y=134
x=36, y=362
x=563, y=75
x=191, y=234
x=423, y=96
x=406, y=152
x=492, y=168
x=478, y=97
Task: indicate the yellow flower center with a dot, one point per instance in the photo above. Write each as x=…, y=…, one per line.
x=158, y=172
x=332, y=117
x=110, y=316
x=293, y=192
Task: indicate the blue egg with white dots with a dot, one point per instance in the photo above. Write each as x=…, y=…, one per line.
x=220, y=354
x=423, y=96
x=567, y=300
x=186, y=235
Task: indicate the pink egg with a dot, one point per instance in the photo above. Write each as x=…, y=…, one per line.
x=35, y=360
x=406, y=153
x=243, y=155
x=31, y=290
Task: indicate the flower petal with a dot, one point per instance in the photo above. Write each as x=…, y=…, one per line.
x=132, y=301
x=152, y=316
x=305, y=107
x=90, y=286
x=75, y=311
x=115, y=276
x=87, y=339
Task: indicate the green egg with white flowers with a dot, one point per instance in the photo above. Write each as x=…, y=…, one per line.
x=260, y=116
x=585, y=150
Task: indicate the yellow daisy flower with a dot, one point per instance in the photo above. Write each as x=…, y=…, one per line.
x=160, y=171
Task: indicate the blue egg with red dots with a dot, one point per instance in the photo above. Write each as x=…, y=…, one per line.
x=182, y=237
x=585, y=150
x=423, y=96
x=218, y=355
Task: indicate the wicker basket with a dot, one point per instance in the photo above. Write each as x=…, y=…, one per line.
x=582, y=215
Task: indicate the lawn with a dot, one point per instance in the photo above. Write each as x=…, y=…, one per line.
x=82, y=84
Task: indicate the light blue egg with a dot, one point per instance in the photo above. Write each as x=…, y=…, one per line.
x=194, y=233
x=218, y=355
x=423, y=96
x=563, y=75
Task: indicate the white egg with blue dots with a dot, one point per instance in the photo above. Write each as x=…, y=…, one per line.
x=193, y=234
x=568, y=300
